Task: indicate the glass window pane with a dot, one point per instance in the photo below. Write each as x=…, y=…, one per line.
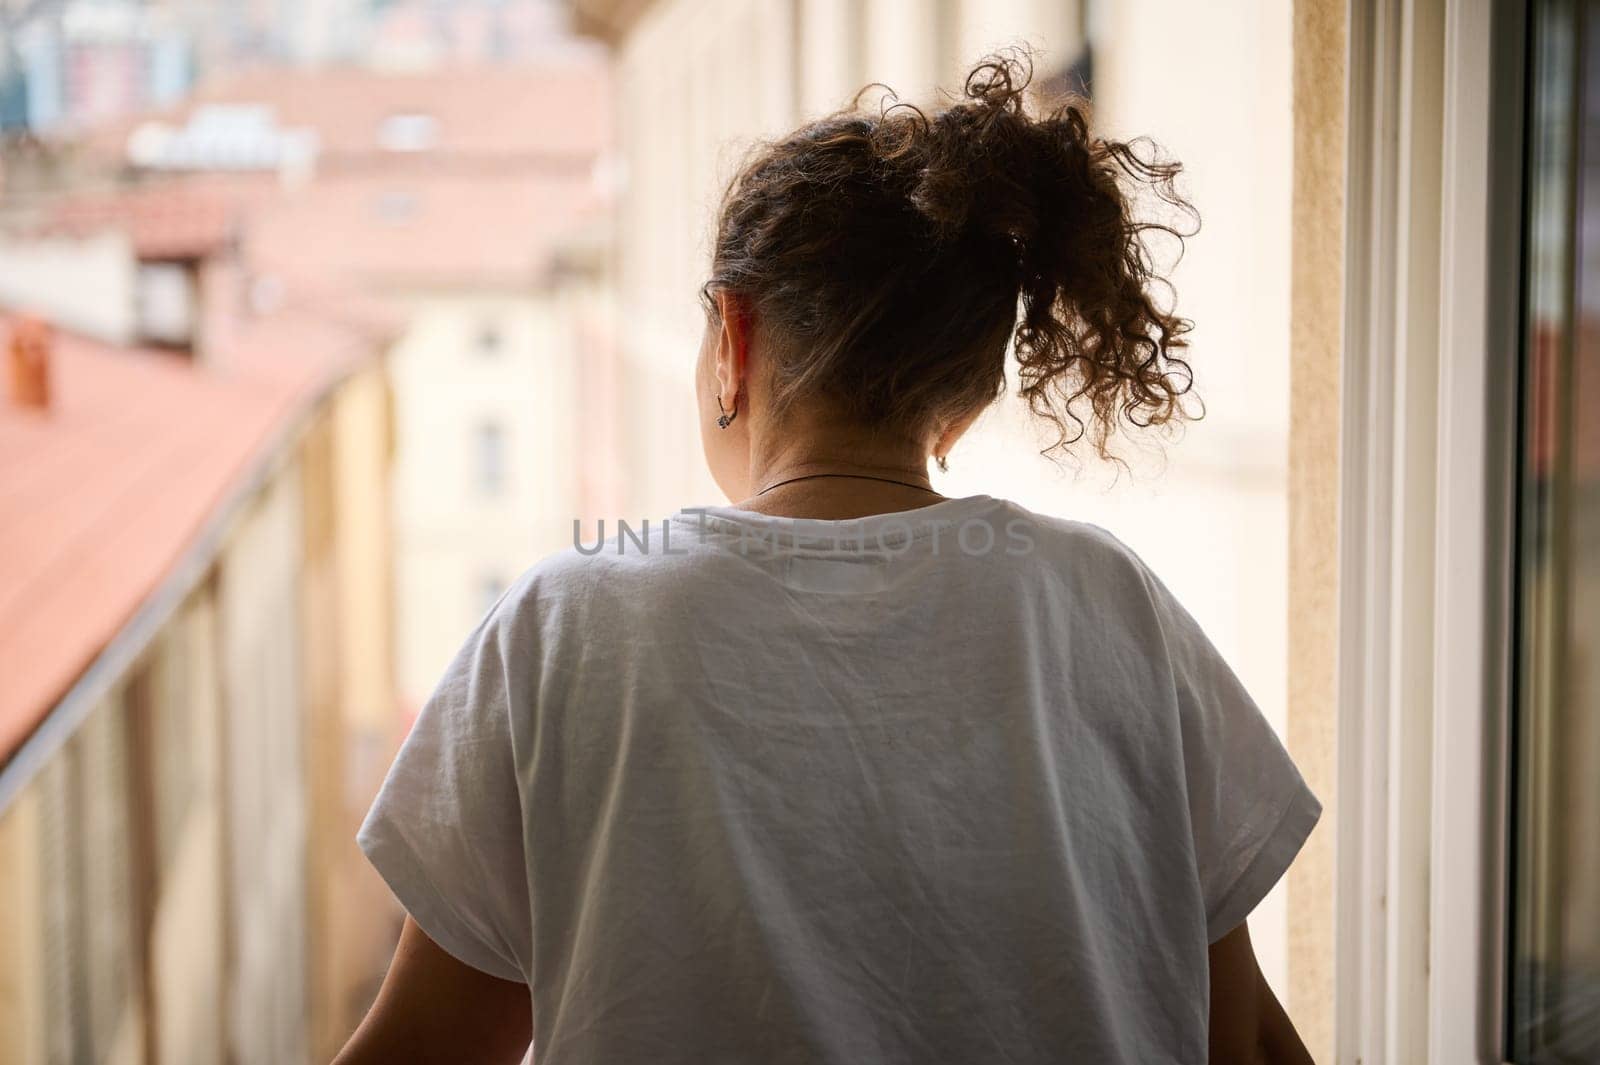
x=491, y=458
x=1555, y=925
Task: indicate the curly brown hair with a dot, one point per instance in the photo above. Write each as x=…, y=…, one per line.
x=891, y=256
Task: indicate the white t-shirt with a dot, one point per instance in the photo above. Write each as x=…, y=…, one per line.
x=959, y=784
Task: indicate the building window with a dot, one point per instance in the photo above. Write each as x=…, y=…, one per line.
x=488, y=339
x=1555, y=792
x=408, y=132
x=165, y=304
x=489, y=457
x=491, y=586
x=396, y=206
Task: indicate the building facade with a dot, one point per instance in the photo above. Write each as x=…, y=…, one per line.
x=471, y=203
x=199, y=691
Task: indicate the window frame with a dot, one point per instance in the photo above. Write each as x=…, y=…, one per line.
x=1571, y=282
x=1481, y=303
x=1434, y=193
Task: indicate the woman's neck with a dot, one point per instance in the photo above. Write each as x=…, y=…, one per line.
x=839, y=499
x=838, y=478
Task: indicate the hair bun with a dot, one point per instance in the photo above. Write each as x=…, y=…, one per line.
x=894, y=247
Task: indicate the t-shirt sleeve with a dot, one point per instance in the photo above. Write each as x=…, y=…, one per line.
x=1250, y=810
x=445, y=831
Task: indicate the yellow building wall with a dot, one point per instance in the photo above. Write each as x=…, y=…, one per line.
x=188, y=930
x=264, y=769
x=22, y=1016
x=351, y=707
x=179, y=883
x=320, y=655
x=1312, y=617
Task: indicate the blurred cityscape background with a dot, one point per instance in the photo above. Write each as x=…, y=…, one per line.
x=323, y=319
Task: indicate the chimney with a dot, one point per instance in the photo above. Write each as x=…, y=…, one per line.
x=30, y=363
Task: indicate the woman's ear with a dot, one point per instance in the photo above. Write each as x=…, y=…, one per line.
x=732, y=358
x=953, y=432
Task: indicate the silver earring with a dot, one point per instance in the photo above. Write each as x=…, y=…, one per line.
x=939, y=461
x=727, y=417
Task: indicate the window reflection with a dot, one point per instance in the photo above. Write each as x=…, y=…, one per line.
x=1555, y=977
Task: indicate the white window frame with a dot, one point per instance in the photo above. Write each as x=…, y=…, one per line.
x=1432, y=281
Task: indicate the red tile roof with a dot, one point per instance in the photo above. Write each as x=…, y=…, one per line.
x=102, y=494
x=165, y=220
x=512, y=172
x=485, y=114
x=381, y=229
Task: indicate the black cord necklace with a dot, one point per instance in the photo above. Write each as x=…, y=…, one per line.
x=857, y=476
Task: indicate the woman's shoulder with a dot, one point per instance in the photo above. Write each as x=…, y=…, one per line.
x=633, y=562
x=610, y=559
x=1077, y=543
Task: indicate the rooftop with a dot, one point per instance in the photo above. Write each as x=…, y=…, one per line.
x=103, y=492
x=169, y=220
x=442, y=230
x=473, y=116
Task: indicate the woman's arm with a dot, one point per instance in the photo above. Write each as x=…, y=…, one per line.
x=1248, y=1026
x=433, y=1008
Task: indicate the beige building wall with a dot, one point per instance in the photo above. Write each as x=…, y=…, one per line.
x=81, y=284
x=264, y=766
x=94, y=839
x=1320, y=151
x=320, y=655
x=188, y=921
x=114, y=877
x=22, y=993
x=363, y=450
x=697, y=85
x=352, y=706
x=458, y=545
x=180, y=884
x=71, y=980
